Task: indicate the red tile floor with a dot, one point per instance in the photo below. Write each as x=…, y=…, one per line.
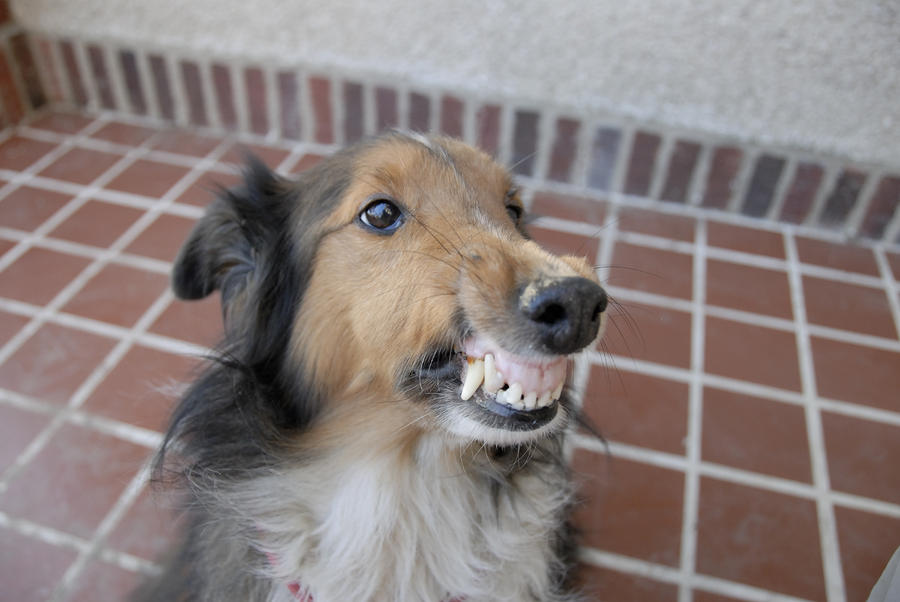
x=748, y=386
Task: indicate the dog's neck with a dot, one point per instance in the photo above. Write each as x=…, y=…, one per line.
x=429, y=520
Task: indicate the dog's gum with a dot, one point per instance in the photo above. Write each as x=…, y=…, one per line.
x=493, y=380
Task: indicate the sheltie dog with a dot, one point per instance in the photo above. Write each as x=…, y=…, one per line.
x=384, y=420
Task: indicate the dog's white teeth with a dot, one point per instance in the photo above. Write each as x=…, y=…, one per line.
x=493, y=380
x=544, y=399
x=514, y=394
x=483, y=373
x=530, y=400
x=474, y=377
x=557, y=392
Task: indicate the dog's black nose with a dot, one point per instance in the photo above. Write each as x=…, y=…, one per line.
x=565, y=313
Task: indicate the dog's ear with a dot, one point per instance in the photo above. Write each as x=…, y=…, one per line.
x=223, y=249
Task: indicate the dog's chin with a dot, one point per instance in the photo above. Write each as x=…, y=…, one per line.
x=487, y=394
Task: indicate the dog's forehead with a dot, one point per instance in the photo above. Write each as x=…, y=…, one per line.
x=419, y=172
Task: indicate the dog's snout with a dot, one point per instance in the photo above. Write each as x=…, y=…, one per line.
x=565, y=314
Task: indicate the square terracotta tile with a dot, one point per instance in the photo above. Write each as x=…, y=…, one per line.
x=62, y=123
x=752, y=353
x=207, y=187
x=80, y=165
x=745, y=240
x=564, y=243
x=856, y=373
x=118, y=294
x=270, y=155
x=124, y=133
x=649, y=333
x=197, y=322
x=74, y=480
x=185, y=143
x=598, y=583
x=26, y=208
x=163, y=238
x=629, y=508
x=30, y=569
x=103, y=581
x=564, y=206
x=637, y=409
x=10, y=324
x=39, y=275
x=97, y=223
x=849, y=258
x=862, y=456
x=18, y=152
x=148, y=178
x=747, y=288
x=761, y=538
x=755, y=434
x=652, y=270
x=18, y=428
x=848, y=307
x=149, y=527
x=655, y=223
x=143, y=387
x=866, y=542
x=53, y=363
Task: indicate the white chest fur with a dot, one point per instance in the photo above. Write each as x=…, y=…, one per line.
x=426, y=530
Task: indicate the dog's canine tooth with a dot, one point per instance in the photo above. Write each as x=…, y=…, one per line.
x=474, y=377
x=493, y=380
x=557, y=392
x=530, y=400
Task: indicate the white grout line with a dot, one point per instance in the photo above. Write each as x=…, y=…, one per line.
x=864, y=197
x=71, y=289
x=831, y=559
x=84, y=390
x=670, y=461
x=826, y=187
x=113, y=516
x=47, y=535
x=109, y=426
x=891, y=287
x=779, y=194
x=61, y=539
x=660, y=172
x=667, y=574
x=582, y=370
x=695, y=418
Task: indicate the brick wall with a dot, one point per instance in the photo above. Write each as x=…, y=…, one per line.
x=600, y=153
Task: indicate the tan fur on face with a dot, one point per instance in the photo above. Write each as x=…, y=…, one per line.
x=377, y=302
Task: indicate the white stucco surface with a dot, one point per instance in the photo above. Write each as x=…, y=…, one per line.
x=822, y=75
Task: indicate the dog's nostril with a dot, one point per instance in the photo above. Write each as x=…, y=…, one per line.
x=551, y=313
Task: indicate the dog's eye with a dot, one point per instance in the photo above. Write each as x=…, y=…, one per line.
x=382, y=215
x=514, y=212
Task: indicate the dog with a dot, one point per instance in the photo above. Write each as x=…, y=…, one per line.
x=384, y=420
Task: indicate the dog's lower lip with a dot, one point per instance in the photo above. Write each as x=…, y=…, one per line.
x=530, y=418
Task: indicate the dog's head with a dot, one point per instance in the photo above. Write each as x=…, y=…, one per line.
x=397, y=276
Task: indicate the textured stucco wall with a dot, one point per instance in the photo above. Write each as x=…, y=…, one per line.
x=812, y=74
